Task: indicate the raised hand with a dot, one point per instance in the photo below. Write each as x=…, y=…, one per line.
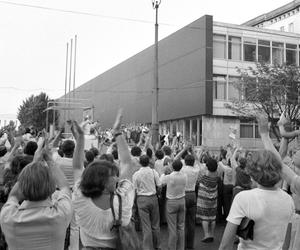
x=117, y=124
x=263, y=124
x=77, y=128
x=283, y=120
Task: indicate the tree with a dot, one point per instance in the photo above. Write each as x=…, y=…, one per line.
x=273, y=89
x=31, y=112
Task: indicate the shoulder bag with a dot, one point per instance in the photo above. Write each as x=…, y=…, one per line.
x=127, y=237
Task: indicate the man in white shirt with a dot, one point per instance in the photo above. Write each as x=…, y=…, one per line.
x=191, y=171
x=65, y=162
x=145, y=181
x=176, y=184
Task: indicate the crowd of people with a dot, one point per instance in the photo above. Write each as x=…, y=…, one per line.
x=62, y=193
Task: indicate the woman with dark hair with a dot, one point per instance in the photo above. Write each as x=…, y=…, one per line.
x=95, y=187
x=40, y=222
x=268, y=206
x=207, y=199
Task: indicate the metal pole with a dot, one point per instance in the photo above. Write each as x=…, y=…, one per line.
x=155, y=125
x=70, y=77
x=66, y=81
x=74, y=70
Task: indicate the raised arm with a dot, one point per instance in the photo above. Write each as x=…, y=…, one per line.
x=126, y=165
x=287, y=174
x=14, y=149
x=288, y=135
x=78, y=157
x=56, y=171
x=57, y=138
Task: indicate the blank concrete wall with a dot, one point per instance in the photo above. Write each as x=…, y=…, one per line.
x=185, y=80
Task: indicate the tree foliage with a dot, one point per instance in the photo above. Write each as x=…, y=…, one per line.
x=31, y=112
x=273, y=89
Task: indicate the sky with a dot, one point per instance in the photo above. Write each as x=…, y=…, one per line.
x=34, y=36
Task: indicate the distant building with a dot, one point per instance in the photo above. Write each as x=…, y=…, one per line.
x=286, y=18
x=6, y=118
x=197, y=68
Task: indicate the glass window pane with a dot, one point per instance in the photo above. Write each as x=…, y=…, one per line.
x=173, y=132
x=219, y=46
x=219, y=88
x=234, y=48
x=249, y=52
x=291, y=57
x=194, y=132
x=264, y=42
x=257, y=135
x=277, y=44
x=180, y=127
x=246, y=131
x=233, y=91
x=264, y=54
x=291, y=46
x=187, y=129
x=277, y=56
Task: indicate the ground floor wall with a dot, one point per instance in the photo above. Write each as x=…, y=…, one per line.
x=210, y=131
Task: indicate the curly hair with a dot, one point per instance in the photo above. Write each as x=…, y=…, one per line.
x=95, y=177
x=264, y=168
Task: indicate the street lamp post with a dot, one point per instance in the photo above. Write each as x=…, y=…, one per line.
x=155, y=125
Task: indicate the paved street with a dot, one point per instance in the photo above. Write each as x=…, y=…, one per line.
x=199, y=235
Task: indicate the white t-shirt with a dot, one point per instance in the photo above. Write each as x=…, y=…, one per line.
x=271, y=211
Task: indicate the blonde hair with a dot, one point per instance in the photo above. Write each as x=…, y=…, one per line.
x=36, y=182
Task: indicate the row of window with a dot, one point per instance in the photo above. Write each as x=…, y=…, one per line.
x=252, y=50
x=290, y=27
x=224, y=87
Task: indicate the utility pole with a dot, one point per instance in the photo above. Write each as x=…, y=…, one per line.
x=66, y=82
x=155, y=125
x=74, y=70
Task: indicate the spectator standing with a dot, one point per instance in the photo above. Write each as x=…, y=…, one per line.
x=207, y=199
x=65, y=162
x=145, y=181
x=176, y=185
x=40, y=222
x=191, y=171
x=94, y=189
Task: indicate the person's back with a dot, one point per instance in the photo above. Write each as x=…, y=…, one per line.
x=36, y=225
x=271, y=211
x=268, y=206
x=40, y=222
x=65, y=162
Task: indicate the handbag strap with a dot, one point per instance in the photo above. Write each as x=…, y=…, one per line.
x=116, y=222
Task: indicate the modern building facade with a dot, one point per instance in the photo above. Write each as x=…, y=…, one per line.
x=197, y=72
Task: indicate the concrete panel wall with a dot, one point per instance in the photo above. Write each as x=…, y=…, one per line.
x=216, y=130
x=185, y=69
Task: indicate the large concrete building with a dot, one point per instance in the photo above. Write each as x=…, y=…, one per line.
x=197, y=69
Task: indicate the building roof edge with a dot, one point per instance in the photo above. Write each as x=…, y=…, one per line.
x=272, y=14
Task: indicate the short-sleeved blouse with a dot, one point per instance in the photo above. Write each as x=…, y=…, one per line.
x=95, y=223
